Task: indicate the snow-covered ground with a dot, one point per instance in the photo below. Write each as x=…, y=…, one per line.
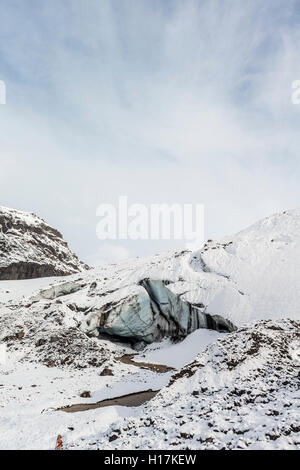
x=18, y=290
x=50, y=325
x=180, y=354
x=30, y=393
x=242, y=392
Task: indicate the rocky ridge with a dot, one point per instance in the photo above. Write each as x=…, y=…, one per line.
x=30, y=248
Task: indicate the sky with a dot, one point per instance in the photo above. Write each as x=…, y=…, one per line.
x=164, y=101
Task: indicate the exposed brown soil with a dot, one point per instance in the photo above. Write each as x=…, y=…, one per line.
x=131, y=400
x=159, y=368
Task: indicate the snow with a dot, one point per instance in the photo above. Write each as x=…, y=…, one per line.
x=262, y=262
x=49, y=328
x=29, y=218
x=180, y=354
x=18, y=290
x=28, y=419
x=241, y=392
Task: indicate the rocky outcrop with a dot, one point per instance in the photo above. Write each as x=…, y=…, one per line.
x=30, y=248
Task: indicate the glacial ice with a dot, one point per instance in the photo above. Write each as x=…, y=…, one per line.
x=58, y=290
x=154, y=312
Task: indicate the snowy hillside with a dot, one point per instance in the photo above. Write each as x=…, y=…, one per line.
x=263, y=262
x=242, y=392
x=30, y=248
x=110, y=331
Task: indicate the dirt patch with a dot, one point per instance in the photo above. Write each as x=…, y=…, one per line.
x=186, y=372
x=131, y=400
x=159, y=368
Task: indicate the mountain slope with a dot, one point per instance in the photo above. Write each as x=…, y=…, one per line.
x=30, y=248
x=263, y=262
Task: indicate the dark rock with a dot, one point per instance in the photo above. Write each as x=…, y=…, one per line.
x=106, y=372
x=39, y=249
x=54, y=339
x=72, y=307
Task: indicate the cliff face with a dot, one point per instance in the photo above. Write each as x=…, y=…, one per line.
x=30, y=248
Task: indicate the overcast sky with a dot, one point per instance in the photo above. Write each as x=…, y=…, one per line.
x=164, y=101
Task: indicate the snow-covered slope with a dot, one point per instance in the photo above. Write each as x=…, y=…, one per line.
x=30, y=248
x=242, y=392
x=263, y=262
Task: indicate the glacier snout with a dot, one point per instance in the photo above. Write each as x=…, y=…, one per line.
x=155, y=312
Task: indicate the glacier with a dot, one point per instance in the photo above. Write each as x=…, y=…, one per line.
x=154, y=313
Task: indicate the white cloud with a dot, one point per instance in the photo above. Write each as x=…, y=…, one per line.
x=108, y=253
x=166, y=102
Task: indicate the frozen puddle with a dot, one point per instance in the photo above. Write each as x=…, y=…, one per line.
x=131, y=400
